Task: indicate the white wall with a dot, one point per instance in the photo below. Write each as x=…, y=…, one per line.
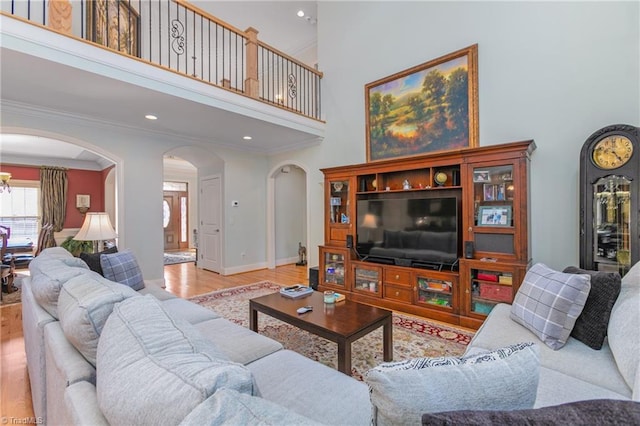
x=291, y=213
x=552, y=72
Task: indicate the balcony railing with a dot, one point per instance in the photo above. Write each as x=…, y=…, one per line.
x=175, y=35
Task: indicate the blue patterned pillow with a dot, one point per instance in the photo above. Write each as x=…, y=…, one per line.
x=122, y=268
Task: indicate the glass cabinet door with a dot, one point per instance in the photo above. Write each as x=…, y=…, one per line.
x=338, y=207
x=334, y=268
x=367, y=279
x=436, y=292
x=488, y=288
x=493, y=195
x=612, y=224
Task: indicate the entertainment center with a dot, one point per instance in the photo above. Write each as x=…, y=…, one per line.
x=442, y=235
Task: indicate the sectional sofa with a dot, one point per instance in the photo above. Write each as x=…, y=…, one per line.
x=100, y=352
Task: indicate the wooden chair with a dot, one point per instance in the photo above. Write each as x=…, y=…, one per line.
x=8, y=268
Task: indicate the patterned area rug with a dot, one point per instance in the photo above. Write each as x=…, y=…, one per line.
x=16, y=295
x=179, y=257
x=412, y=337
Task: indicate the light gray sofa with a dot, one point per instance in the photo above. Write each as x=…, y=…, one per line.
x=65, y=385
x=576, y=372
x=286, y=387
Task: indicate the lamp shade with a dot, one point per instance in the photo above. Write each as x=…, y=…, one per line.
x=96, y=227
x=370, y=221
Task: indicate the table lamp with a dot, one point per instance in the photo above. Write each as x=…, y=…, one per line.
x=96, y=227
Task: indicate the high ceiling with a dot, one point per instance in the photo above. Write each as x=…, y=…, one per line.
x=31, y=80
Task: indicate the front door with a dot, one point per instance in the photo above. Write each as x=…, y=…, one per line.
x=210, y=224
x=175, y=220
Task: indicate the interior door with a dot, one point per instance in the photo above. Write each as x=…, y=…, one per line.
x=210, y=224
x=175, y=220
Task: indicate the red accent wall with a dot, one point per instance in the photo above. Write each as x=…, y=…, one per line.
x=80, y=182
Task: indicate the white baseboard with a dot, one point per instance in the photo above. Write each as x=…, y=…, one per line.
x=243, y=268
x=287, y=261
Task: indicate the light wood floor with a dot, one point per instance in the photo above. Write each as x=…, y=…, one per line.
x=183, y=280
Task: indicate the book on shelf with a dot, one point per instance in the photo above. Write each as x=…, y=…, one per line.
x=296, y=291
x=505, y=278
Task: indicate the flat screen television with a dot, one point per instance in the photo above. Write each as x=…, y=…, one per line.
x=409, y=229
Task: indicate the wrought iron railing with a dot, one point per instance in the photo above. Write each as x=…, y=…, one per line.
x=180, y=37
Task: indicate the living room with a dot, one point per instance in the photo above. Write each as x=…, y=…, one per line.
x=547, y=72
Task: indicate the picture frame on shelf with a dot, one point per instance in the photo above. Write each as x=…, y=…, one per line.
x=501, y=192
x=428, y=108
x=494, y=216
x=480, y=176
x=489, y=191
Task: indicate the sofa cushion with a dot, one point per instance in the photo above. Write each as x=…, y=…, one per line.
x=93, y=259
x=228, y=407
x=122, y=268
x=47, y=276
x=591, y=326
x=548, y=303
x=593, y=412
x=84, y=305
x=153, y=368
x=503, y=379
x=624, y=330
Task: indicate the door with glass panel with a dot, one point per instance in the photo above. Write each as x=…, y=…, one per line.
x=175, y=220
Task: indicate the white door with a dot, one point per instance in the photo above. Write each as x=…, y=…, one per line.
x=210, y=224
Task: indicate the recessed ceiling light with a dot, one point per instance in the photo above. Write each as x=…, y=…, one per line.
x=247, y=138
x=300, y=13
x=150, y=117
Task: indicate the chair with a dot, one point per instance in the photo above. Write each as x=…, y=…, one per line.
x=7, y=269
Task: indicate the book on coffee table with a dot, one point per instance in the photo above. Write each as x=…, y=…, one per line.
x=296, y=291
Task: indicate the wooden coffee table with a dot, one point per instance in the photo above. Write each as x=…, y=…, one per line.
x=343, y=322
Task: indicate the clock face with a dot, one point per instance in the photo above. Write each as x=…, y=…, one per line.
x=612, y=152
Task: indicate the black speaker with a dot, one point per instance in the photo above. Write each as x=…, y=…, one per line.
x=313, y=277
x=349, y=241
x=468, y=249
x=455, y=177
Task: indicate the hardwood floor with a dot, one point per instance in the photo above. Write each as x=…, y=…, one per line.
x=183, y=280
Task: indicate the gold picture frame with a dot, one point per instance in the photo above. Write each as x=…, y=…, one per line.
x=428, y=108
x=123, y=30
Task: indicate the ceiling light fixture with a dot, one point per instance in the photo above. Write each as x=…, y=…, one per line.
x=300, y=13
x=5, y=177
x=150, y=117
x=247, y=138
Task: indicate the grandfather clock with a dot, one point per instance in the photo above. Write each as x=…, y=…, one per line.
x=609, y=193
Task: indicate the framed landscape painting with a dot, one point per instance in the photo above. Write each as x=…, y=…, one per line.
x=429, y=108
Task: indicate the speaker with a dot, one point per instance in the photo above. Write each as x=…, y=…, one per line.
x=349, y=241
x=455, y=177
x=468, y=249
x=313, y=277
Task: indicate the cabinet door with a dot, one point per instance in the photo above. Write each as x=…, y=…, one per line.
x=367, y=279
x=436, y=291
x=496, y=209
x=334, y=268
x=339, y=210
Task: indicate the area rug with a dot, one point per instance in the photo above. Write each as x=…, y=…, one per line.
x=16, y=295
x=412, y=336
x=179, y=257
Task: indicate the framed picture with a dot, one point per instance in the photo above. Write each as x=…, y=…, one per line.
x=428, y=108
x=501, y=192
x=494, y=216
x=114, y=24
x=481, y=176
x=489, y=192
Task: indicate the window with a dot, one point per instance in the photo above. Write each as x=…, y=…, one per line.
x=20, y=209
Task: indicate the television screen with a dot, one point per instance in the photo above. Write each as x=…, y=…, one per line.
x=408, y=231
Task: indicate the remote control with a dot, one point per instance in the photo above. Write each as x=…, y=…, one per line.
x=305, y=309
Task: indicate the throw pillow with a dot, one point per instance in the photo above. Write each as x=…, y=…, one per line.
x=591, y=412
x=122, y=268
x=591, y=325
x=506, y=378
x=228, y=407
x=93, y=259
x=154, y=369
x=84, y=304
x=548, y=303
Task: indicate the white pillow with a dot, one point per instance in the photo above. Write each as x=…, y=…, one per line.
x=506, y=378
x=548, y=303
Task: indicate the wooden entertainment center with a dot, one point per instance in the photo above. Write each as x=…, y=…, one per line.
x=491, y=186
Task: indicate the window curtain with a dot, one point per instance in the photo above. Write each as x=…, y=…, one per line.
x=53, y=195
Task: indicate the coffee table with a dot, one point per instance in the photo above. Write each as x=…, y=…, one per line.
x=342, y=322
